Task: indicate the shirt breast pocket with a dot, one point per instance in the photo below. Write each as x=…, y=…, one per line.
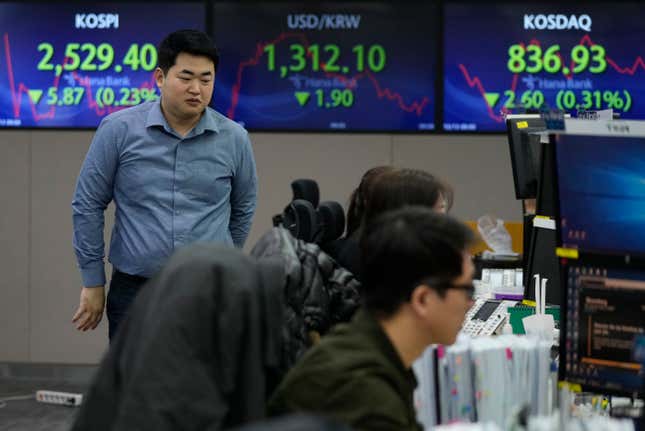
x=208, y=182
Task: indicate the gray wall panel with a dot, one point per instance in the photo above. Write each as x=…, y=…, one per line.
x=39, y=303
x=55, y=281
x=14, y=235
x=478, y=167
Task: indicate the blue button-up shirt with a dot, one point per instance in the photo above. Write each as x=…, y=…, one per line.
x=169, y=190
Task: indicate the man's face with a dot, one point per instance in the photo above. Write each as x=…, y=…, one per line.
x=187, y=88
x=449, y=311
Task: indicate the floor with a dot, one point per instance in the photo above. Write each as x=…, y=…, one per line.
x=28, y=414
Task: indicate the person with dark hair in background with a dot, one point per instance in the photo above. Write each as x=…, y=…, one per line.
x=178, y=171
x=417, y=288
x=360, y=195
x=387, y=189
x=356, y=207
x=402, y=187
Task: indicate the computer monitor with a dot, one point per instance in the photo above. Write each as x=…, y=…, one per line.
x=592, y=181
x=542, y=260
x=601, y=317
x=601, y=192
x=540, y=257
x=600, y=188
x=524, y=146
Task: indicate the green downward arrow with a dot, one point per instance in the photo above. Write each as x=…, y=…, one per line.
x=35, y=95
x=302, y=96
x=491, y=99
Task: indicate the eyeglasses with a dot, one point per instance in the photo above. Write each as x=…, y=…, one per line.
x=438, y=284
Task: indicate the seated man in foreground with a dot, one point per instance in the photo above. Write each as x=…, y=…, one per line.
x=417, y=289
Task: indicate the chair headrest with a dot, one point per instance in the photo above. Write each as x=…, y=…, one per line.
x=299, y=217
x=306, y=189
x=331, y=221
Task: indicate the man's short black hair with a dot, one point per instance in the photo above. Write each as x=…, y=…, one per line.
x=192, y=42
x=402, y=247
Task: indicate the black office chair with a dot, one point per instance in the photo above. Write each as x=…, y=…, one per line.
x=331, y=222
x=306, y=189
x=300, y=218
x=308, y=220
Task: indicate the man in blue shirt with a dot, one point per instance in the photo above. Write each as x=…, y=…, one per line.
x=178, y=171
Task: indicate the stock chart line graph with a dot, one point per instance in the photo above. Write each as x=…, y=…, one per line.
x=416, y=106
x=17, y=91
x=474, y=81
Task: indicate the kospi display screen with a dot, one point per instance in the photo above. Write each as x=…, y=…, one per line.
x=67, y=65
x=533, y=55
x=363, y=66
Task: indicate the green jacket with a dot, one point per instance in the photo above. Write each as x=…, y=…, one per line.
x=355, y=376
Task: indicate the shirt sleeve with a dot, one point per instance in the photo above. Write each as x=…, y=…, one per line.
x=243, y=193
x=93, y=193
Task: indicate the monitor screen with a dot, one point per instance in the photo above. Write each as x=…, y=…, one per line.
x=601, y=193
x=603, y=314
x=323, y=66
x=514, y=55
x=67, y=65
x=524, y=146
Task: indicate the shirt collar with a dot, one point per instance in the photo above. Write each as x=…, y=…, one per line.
x=207, y=122
x=156, y=118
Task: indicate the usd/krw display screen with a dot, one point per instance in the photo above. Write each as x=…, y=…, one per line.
x=364, y=66
x=68, y=65
x=502, y=57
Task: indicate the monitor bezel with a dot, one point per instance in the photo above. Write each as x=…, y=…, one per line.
x=512, y=134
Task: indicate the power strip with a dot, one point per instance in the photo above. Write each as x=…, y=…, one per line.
x=61, y=398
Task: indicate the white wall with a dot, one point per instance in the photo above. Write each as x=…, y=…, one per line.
x=39, y=282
